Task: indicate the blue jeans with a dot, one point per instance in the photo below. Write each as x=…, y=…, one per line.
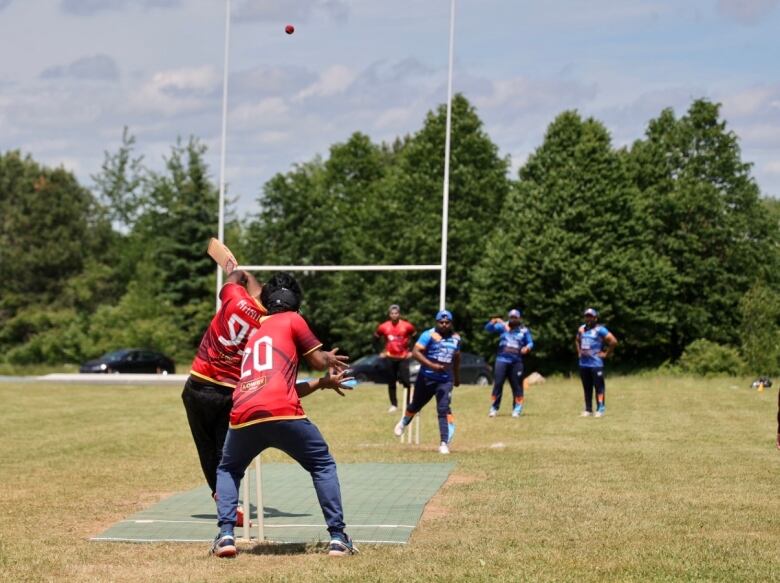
x=298, y=438
x=424, y=391
x=507, y=370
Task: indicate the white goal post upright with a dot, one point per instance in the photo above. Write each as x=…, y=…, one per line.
x=414, y=430
x=223, y=145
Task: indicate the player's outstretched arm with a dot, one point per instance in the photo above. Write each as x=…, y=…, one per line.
x=321, y=359
x=329, y=381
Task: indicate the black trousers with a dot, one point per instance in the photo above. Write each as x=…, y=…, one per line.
x=208, y=413
x=398, y=371
x=593, y=378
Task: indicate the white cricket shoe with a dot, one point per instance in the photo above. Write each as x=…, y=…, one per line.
x=493, y=412
x=392, y=409
x=586, y=414
x=399, y=428
x=443, y=448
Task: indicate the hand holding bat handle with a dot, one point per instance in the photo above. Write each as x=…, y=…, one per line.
x=222, y=255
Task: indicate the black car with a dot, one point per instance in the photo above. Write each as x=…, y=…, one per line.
x=372, y=368
x=130, y=360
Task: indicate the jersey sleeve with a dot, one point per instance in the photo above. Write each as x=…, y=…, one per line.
x=494, y=327
x=232, y=291
x=602, y=331
x=304, y=338
x=529, y=340
x=424, y=339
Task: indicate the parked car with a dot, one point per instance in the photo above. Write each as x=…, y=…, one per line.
x=474, y=370
x=130, y=360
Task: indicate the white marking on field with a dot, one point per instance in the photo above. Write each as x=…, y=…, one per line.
x=205, y=521
x=498, y=445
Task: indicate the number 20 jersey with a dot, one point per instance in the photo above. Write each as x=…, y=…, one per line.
x=269, y=369
x=218, y=359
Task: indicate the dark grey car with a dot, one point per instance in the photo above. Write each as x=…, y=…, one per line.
x=130, y=360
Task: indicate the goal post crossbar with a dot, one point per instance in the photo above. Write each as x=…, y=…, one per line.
x=340, y=267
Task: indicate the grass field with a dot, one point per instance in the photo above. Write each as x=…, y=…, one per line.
x=679, y=482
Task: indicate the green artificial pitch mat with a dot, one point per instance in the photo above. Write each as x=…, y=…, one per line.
x=382, y=504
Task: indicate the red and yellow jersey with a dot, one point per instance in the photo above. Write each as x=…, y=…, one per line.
x=269, y=369
x=396, y=337
x=218, y=359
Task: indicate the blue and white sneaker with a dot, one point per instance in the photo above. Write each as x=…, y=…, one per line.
x=600, y=411
x=517, y=411
x=341, y=545
x=224, y=546
x=450, y=432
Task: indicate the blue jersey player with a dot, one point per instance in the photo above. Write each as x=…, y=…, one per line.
x=438, y=352
x=515, y=342
x=594, y=344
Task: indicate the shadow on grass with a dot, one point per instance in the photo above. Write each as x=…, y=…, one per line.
x=268, y=548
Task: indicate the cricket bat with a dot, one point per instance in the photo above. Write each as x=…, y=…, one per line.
x=222, y=255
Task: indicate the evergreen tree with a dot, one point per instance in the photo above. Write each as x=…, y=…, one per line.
x=702, y=209
x=569, y=240
x=173, y=230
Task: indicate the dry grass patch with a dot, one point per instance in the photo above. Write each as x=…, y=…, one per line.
x=677, y=483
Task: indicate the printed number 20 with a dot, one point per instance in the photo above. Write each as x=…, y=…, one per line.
x=259, y=356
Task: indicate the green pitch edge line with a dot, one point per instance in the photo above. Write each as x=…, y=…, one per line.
x=382, y=503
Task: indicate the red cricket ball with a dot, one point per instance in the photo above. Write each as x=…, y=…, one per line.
x=289, y=29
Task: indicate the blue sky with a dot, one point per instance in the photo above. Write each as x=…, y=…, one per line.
x=75, y=72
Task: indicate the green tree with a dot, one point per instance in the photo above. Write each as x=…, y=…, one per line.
x=759, y=329
x=172, y=232
x=382, y=204
x=703, y=211
x=570, y=240
x=47, y=230
x=120, y=183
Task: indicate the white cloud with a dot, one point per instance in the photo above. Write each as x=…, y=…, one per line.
x=746, y=11
x=272, y=110
x=332, y=81
x=273, y=137
x=90, y=7
x=177, y=91
x=96, y=68
x=526, y=94
x=289, y=10
x=396, y=117
x=749, y=101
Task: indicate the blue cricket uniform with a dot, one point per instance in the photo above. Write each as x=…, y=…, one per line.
x=430, y=383
x=591, y=342
x=509, y=360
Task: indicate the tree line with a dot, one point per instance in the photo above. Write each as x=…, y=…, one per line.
x=669, y=238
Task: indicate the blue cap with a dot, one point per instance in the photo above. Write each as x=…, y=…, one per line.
x=591, y=312
x=441, y=314
x=515, y=313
